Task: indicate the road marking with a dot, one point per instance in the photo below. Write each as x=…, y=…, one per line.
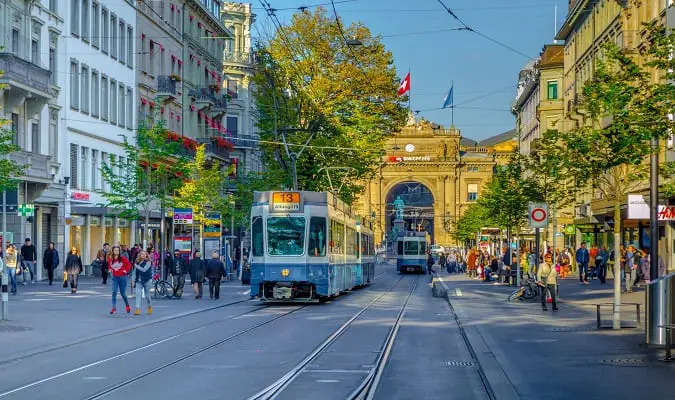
x=458, y=292
x=94, y=378
x=327, y=381
x=536, y=340
x=36, y=300
x=246, y=292
x=72, y=371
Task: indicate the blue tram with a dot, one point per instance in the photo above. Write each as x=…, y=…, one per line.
x=307, y=246
x=411, y=252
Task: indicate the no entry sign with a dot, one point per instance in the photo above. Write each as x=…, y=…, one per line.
x=538, y=215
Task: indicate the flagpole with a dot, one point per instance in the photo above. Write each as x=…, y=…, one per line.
x=452, y=111
x=409, y=93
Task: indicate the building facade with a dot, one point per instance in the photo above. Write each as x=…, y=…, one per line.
x=238, y=62
x=98, y=78
x=30, y=33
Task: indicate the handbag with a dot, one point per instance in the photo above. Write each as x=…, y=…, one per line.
x=97, y=263
x=65, y=279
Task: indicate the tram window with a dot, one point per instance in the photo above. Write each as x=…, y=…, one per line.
x=351, y=242
x=258, y=242
x=357, y=247
x=337, y=238
x=285, y=236
x=423, y=248
x=411, y=248
x=400, y=248
x=317, y=237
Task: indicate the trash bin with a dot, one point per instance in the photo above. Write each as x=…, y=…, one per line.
x=660, y=308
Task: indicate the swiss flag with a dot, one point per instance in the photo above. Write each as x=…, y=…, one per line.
x=404, y=87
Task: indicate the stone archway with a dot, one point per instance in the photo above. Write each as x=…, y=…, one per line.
x=419, y=206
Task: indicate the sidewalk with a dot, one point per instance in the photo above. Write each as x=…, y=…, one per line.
x=43, y=316
x=560, y=355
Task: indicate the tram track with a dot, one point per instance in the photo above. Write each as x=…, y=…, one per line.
x=90, y=339
x=154, y=370
x=367, y=387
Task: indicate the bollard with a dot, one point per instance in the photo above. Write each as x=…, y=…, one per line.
x=5, y=297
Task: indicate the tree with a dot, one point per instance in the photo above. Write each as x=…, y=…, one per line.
x=474, y=218
x=505, y=198
x=311, y=88
x=9, y=170
x=152, y=169
x=624, y=106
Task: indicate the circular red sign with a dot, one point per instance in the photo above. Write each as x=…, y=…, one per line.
x=538, y=215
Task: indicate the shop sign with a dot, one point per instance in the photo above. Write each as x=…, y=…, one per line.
x=398, y=159
x=666, y=213
x=80, y=196
x=182, y=216
x=570, y=229
x=638, y=208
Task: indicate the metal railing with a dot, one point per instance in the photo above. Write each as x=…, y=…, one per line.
x=166, y=85
x=239, y=57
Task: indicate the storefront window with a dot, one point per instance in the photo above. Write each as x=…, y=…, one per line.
x=76, y=238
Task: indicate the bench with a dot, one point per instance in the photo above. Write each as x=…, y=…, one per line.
x=668, y=328
x=637, y=313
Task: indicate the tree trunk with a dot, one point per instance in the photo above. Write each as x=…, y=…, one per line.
x=616, y=315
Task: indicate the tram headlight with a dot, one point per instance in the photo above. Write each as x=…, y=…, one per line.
x=285, y=272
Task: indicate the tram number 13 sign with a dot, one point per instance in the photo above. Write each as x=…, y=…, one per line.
x=538, y=215
x=286, y=201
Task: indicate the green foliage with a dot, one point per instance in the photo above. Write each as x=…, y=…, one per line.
x=341, y=101
x=203, y=188
x=152, y=170
x=242, y=188
x=505, y=198
x=9, y=170
x=474, y=218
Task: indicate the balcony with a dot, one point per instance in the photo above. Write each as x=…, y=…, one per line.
x=244, y=141
x=213, y=150
x=219, y=105
x=166, y=88
x=238, y=57
x=26, y=81
x=38, y=166
x=205, y=97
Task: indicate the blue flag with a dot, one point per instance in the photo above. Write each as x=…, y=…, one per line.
x=447, y=101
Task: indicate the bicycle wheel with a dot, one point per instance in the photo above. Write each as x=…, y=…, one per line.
x=530, y=293
x=517, y=294
x=163, y=289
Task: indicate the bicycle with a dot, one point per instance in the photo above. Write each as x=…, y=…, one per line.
x=163, y=289
x=528, y=291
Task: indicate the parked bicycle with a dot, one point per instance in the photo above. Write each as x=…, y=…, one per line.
x=528, y=291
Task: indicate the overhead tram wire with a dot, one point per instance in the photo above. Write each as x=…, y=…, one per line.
x=506, y=46
x=342, y=32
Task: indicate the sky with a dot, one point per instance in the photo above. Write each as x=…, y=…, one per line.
x=485, y=74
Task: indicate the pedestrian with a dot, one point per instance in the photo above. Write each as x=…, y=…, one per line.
x=72, y=269
x=215, y=270
x=11, y=261
x=177, y=269
x=50, y=261
x=547, y=281
x=629, y=269
x=601, y=264
x=582, y=257
x=119, y=268
x=28, y=257
x=133, y=252
x=102, y=261
x=154, y=256
x=430, y=263
x=472, y=260
x=124, y=250
x=442, y=260
x=452, y=262
x=197, y=273
x=141, y=276
x=592, y=265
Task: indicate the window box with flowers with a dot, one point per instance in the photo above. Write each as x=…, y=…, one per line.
x=215, y=87
x=223, y=143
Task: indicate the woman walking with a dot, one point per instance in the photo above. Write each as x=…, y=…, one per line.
x=197, y=273
x=11, y=261
x=50, y=261
x=73, y=268
x=120, y=268
x=141, y=276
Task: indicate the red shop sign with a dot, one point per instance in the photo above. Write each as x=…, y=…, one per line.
x=80, y=196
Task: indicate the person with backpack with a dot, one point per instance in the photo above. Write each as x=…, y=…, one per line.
x=197, y=269
x=72, y=269
x=141, y=276
x=601, y=264
x=547, y=281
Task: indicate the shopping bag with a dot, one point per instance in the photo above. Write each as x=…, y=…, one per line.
x=65, y=279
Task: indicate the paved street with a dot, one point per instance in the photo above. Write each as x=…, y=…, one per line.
x=59, y=346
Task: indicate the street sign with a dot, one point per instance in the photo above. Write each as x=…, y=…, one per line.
x=212, y=225
x=26, y=210
x=538, y=215
x=182, y=216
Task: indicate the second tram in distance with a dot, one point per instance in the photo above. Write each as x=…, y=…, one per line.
x=307, y=246
x=411, y=252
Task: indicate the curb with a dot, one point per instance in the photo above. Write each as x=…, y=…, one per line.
x=497, y=383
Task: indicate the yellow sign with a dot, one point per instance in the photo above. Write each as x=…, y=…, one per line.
x=285, y=272
x=285, y=201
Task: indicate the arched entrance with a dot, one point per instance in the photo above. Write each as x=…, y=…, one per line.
x=418, y=210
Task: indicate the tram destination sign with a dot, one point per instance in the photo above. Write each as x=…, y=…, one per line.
x=285, y=201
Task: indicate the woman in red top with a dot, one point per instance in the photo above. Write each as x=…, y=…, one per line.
x=119, y=267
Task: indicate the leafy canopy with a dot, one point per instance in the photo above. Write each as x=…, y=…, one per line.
x=310, y=87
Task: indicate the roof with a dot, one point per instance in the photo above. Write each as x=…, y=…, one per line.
x=501, y=138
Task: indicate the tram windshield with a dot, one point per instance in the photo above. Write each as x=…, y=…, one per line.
x=285, y=236
x=412, y=248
